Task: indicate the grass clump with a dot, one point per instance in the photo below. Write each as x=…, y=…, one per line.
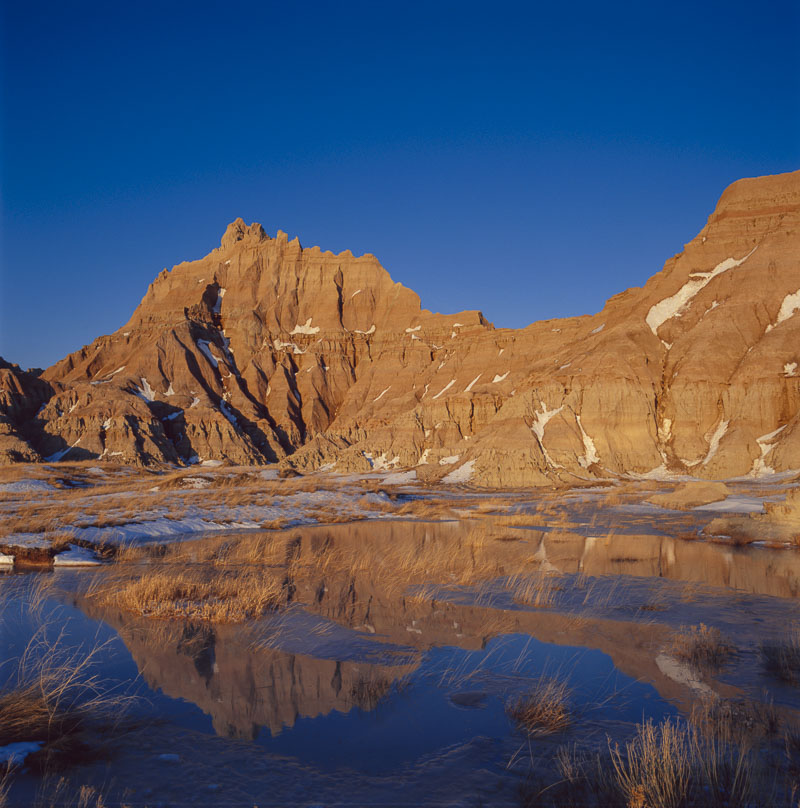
x=704, y=647
x=544, y=710
x=672, y=765
x=53, y=695
x=195, y=593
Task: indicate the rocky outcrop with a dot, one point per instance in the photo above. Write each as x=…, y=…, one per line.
x=264, y=352
x=22, y=394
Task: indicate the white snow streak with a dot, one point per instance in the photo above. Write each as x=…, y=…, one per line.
x=411, y=330
x=469, y=386
x=367, y=333
x=226, y=411
x=675, y=306
x=713, y=445
x=205, y=347
x=381, y=395
x=499, y=378
x=445, y=389
x=598, y=329
x=590, y=455
x=538, y=426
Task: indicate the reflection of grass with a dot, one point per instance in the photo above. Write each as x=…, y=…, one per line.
x=781, y=658
x=702, y=646
x=367, y=693
x=544, y=710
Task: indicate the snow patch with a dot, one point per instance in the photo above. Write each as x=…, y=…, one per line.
x=463, y=474
x=25, y=486
x=305, y=329
x=366, y=333
x=357, y=292
x=423, y=458
x=412, y=330
x=598, y=329
x=448, y=461
x=76, y=557
x=380, y=463
x=590, y=455
x=205, y=347
x=381, y=395
x=218, y=303
x=790, y=304
x=499, y=378
x=790, y=368
x=145, y=392
x=765, y=443
x=228, y=413
x=538, y=426
x=713, y=445
x=675, y=305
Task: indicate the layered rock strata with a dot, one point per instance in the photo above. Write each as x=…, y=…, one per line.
x=266, y=352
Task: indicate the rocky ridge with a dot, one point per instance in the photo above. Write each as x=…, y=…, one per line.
x=266, y=352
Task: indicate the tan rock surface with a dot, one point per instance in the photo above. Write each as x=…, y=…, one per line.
x=264, y=351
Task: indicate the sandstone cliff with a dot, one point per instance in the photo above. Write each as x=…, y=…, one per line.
x=264, y=351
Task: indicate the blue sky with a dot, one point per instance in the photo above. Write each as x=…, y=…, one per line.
x=527, y=159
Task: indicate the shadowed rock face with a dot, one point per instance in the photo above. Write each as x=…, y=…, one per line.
x=264, y=351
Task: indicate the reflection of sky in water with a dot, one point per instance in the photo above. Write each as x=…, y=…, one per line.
x=414, y=719
x=418, y=718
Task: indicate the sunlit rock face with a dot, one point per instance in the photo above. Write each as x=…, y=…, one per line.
x=264, y=351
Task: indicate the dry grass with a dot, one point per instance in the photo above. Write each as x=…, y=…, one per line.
x=537, y=589
x=672, y=765
x=781, y=658
x=53, y=694
x=62, y=793
x=704, y=647
x=193, y=592
x=544, y=710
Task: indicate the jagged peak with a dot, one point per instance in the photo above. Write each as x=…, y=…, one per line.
x=237, y=230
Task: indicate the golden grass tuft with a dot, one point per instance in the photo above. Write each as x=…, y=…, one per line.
x=544, y=710
x=538, y=589
x=702, y=646
x=672, y=765
x=194, y=592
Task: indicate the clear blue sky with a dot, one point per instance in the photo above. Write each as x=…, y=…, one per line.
x=529, y=159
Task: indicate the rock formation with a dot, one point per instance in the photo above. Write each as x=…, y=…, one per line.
x=266, y=352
